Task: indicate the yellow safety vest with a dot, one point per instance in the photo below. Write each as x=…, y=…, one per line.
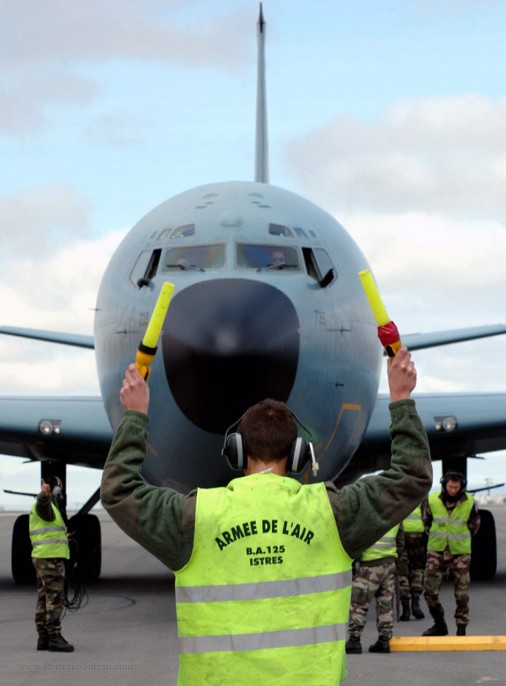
x=265, y=596
x=413, y=522
x=385, y=547
x=450, y=530
x=49, y=539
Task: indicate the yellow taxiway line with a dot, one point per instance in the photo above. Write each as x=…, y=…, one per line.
x=413, y=643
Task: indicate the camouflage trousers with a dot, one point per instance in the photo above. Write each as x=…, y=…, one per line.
x=50, y=574
x=373, y=581
x=411, y=573
x=458, y=565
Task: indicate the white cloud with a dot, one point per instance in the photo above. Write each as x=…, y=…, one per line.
x=37, y=220
x=443, y=156
x=51, y=31
x=434, y=255
x=56, y=292
x=421, y=189
x=46, y=43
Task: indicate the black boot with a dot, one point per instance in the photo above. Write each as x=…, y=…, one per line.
x=439, y=627
x=415, y=607
x=353, y=646
x=43, y=641
x=382, y=645
x=461, y=629
x=57, y=644
x=406, y=612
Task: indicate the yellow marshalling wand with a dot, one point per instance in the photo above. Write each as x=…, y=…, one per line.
x=147, y=347
x=387, y=330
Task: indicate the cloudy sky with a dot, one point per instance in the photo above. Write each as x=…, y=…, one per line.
x=389, y=114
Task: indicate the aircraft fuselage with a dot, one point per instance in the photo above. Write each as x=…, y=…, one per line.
x=267, y=304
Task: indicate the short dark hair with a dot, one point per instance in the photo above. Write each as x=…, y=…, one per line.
x=453, y=476
x=268, y=430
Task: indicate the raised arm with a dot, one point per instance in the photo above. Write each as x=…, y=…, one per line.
x=371, y=506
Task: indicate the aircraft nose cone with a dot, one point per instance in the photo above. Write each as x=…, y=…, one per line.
x=227, y=345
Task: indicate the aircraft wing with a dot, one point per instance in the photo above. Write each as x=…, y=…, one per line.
x=485, y=488
x=458, y=425
x=414, y=341
x=75, y=339
x=422, y=341
x=71, y=429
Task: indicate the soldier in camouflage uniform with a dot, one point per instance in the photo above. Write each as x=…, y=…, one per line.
x=402, y=573
x=451, y=518
x=411, y=565
x=50, y=574
x=48, y=535
x=375, y=578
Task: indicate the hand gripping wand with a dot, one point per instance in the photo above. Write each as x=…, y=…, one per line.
x=387, y=330
x=147, y=347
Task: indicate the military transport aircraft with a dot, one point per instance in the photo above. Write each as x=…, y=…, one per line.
x=267, y=303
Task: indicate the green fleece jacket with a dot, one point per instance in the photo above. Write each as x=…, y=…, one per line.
x=162, y=520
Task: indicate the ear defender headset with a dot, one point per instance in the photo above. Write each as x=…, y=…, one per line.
x=454, y=476
x=235, y=451
x=55, y=483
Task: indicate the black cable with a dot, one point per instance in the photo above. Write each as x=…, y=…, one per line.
x=73, y=582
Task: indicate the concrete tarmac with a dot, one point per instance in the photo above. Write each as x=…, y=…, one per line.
x=126, y=634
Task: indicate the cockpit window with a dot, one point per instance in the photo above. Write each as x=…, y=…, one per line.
x=280, y=230
x=199, y=257
x=254, y=256
x=300, y=232
x=183, y=231
x=319, y=266
x=145, y=267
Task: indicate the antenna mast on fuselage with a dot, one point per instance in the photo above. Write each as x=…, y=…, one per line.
x=261, y=143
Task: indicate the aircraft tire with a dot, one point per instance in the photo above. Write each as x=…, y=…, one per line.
x=484, y=549
x=88, y=539
x=23, y=571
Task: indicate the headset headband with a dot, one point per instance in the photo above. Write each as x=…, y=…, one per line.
x=238, y=421
x=235, y=452
x=453, y=476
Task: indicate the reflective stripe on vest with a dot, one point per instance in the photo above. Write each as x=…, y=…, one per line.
x=263, y=641
x=49, y=539
x=413, y=522
x=450, y=530
x=247, y=608
x=266, y=589
x=385, y=547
